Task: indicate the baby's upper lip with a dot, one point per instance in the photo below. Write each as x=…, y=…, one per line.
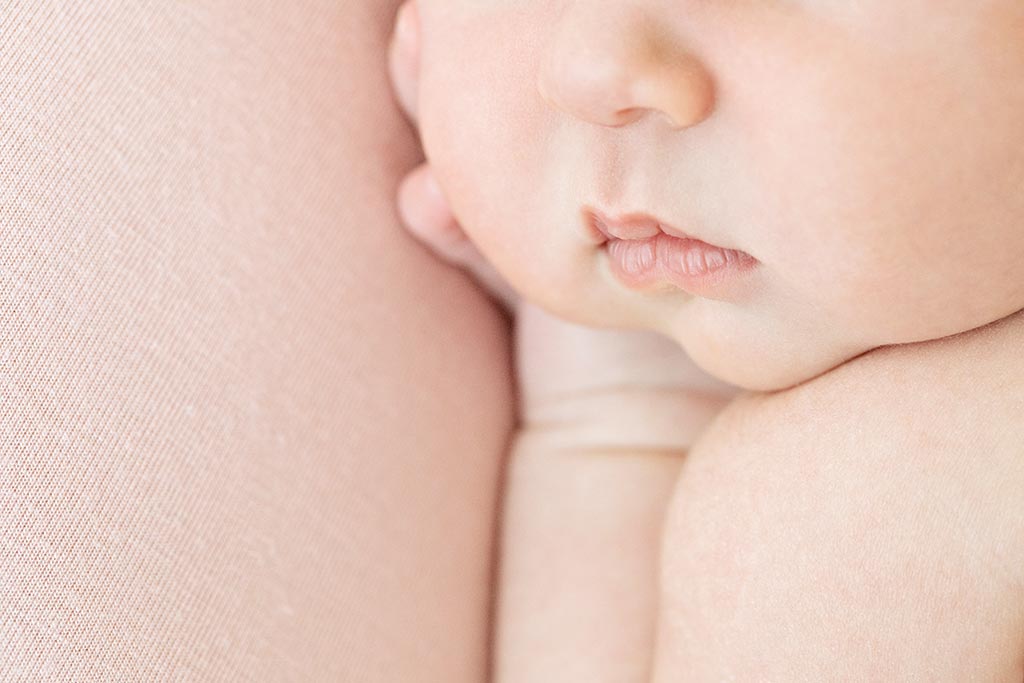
x=631, y=226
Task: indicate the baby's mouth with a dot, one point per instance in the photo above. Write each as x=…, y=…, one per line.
x=642, y=251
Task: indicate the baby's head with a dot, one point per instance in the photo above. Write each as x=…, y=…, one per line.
x=869, y=155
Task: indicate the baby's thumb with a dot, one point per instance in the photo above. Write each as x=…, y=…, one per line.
x=425, y=212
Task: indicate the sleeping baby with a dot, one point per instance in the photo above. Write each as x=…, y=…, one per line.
x=766, y=266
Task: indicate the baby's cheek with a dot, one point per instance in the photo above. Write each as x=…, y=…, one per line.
x=486, y=132
x=468, y=187
x=448, y=135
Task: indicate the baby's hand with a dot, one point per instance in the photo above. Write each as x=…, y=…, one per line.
x=422, y=205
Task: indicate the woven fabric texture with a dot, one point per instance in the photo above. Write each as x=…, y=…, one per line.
x=249, y=429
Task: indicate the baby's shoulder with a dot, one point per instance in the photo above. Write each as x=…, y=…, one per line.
x=896, y=480
x=942, y=420
x=963, y=393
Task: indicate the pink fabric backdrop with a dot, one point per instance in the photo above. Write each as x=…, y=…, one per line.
x=249, y=430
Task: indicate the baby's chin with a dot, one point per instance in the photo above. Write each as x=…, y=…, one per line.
x=733, y=343
x=739, y=349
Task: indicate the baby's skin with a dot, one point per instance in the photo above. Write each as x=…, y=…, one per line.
x=809, y=468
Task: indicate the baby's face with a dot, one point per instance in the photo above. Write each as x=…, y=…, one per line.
x=869, y=155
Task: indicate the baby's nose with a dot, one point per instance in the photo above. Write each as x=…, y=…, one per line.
x=610, y=64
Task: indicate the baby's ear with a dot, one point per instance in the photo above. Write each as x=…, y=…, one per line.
x=403, y=57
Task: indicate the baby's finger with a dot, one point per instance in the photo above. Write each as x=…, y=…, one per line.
x=425, y=212
x=403, y=58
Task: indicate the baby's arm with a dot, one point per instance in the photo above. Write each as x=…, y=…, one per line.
x=865, y=526
x=577, y=579
x=588, y=480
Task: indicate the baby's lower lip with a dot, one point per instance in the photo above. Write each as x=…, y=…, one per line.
x=691, y=265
